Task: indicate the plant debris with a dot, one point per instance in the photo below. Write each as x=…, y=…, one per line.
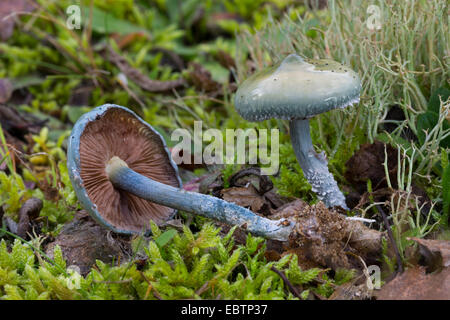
x=8, y=11
x=138, y=77
x=367, y=163
x=324, y=236
x=202, y=80
x=83, y=241
x=416, y=284
x=6, y=90
x=28, y=212
x=247, y=197
x=352, y=291
x=436, y=253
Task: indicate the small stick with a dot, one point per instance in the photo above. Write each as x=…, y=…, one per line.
x=153, y=289
x=287, y=282
x=203, y=288
x=113, y=282
x=391, y=238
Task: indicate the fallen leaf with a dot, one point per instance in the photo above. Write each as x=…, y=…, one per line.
x=83, y=241
x=435, y=252
x=6, y=90
x=290, y=209
x=28, y=212
x=226, y=60
x=251, y=175
x=262, y=184
x=415, y=284
x=212, y=183
x=15, y=123
x=8, y=8
x=247, y=197
x=202, y=80
x=367, y=163
x=50, y=193
x=275, y=199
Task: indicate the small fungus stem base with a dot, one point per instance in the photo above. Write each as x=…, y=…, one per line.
x=315, y=166
x=211, y=207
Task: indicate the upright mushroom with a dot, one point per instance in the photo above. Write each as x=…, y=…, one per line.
x=297, y=89
x=123, y=175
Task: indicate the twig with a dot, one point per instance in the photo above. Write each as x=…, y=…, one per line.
x=203, y=288
x=113, y=282
x=287, y=282
x=153, y=289
x=138, y=77
x=391, y=238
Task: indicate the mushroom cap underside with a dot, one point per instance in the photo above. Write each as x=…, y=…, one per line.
x=108, y=131
x=297, y=88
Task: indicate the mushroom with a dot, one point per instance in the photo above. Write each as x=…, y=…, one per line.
x=124, y=176
x=297, y=89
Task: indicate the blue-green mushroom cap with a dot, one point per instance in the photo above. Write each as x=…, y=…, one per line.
x=297, y=88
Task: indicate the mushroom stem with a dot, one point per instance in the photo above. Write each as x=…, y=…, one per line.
x=315, y=166
x=211, y=207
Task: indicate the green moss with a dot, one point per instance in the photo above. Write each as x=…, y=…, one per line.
x=291, y=182
x=187, y=266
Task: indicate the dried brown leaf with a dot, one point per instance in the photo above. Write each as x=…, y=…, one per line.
x=11, y=120
x=28, y=212
x=367, y=163
x=8, y=9
x=247, y=197
x=6, y=90
x=415, y=284
x=202, y=80
x=226, y=60
x=253, y=176
x=83, y=241
x=435, y=252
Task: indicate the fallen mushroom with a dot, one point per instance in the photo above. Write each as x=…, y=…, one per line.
x=123, y=175
x=297, y=89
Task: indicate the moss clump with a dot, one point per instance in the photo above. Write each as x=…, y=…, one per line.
x=179, y=265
